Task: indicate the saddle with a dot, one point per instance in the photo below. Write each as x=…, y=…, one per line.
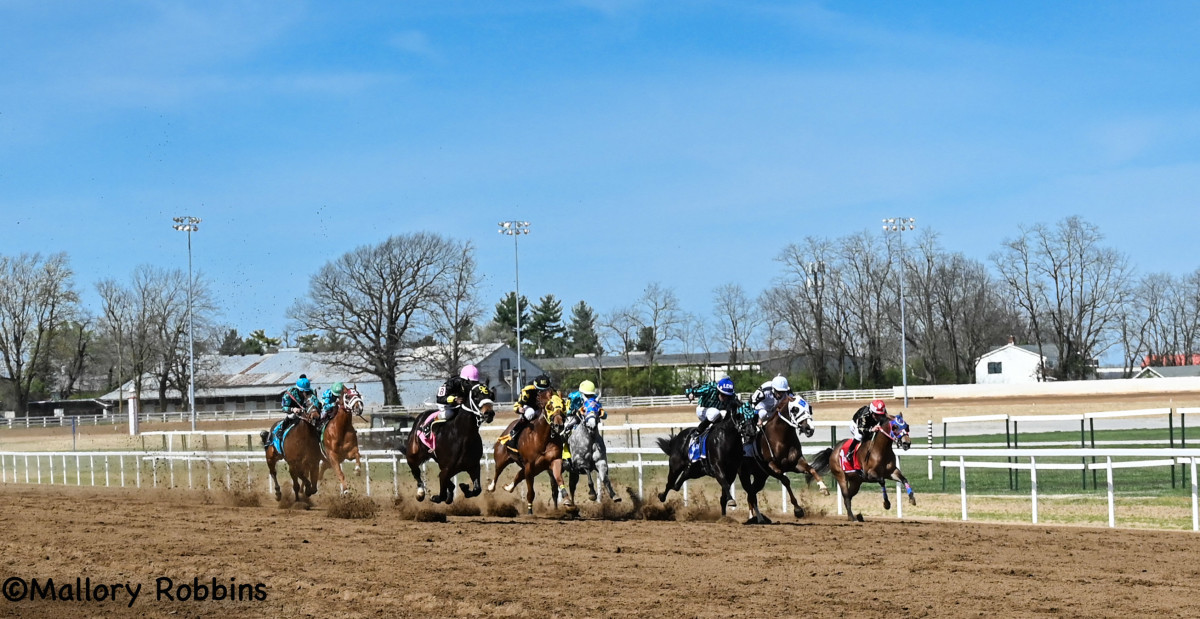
x=279, y=434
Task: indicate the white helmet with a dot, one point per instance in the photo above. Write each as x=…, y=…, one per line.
x=779, y=383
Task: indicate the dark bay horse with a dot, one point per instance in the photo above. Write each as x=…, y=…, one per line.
x=539, y=449
x=724, y=445
x=776, y=452
x=457, y=447
x=339, y=439
x=878, y=461
x=300, y=450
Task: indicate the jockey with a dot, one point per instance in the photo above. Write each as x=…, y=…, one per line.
x=866, y=418
x=524, y=406
x=295, y=401
x=584, y=402
x=768, y=396
x=716, y=401
x=329, y=399
x=452, y=394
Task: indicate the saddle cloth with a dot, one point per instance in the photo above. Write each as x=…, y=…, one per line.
x=698, y=447
x=848, y=458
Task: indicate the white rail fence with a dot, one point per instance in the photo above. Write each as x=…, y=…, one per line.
x=116, y=468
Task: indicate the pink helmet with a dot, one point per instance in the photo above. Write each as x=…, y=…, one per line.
x=878, y=407
x=470, y=372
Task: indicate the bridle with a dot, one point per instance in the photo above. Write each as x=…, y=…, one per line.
x=476, y=407
x=897, y=431
x=352, y=402
x=796, y=415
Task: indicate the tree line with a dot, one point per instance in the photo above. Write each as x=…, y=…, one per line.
x=833, y=308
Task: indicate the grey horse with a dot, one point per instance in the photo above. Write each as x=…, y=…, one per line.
x=588, y=455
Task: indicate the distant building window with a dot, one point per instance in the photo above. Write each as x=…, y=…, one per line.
x=994, y=367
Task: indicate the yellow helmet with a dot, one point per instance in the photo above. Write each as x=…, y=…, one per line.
x=587, y=388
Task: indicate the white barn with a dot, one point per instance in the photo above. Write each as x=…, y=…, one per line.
x=1014, y=363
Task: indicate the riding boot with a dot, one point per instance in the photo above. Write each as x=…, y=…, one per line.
x=700, y=430
x=516, y=432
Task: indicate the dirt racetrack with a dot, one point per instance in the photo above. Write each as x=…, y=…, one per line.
x=311, y=564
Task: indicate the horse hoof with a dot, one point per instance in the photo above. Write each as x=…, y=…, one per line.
x=435, y=499
x=509, y=488
x=420, y=494
x=492, y=487
x=859, y=517
x=799, y=511
x=616, y=499
x=887, y=505
x=912, y=499
x=592, y=496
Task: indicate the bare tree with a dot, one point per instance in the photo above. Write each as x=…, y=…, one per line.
x=455, y=311
x=38, y=294
x=375, y=294
x=1071, y=285
x=737, y=318
x=658, y=314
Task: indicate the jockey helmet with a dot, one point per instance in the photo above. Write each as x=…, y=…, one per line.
x=587, y=387
x=780, y=384
x=878, y=408
x=542, y=382
x=725, y=385
x=303, y=384
x=469, y=372
x=337, y=388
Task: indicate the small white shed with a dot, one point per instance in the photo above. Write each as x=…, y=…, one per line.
x=1013, y=363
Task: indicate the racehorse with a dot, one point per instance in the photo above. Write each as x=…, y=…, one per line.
x=339, y=440
x=724, y=458
x=301, y=452
x=588, y=455
x=776, y=452
x=878, y=463
x=539, y=449
x=457, y=447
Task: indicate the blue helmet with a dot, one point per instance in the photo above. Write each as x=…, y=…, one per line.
x=303, y=384
x=725, y=385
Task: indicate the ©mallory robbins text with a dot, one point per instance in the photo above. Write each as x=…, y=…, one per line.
x=17, y=589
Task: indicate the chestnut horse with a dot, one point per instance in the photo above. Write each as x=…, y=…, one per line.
x=776, y=452
x=539, y=449
x=878, y=462
x=457, y=447
x=300, y=450
x=339, y=439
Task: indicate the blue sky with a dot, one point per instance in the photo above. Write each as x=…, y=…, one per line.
x=679, y=142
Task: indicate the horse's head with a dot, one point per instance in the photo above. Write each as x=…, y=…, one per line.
x=352, y=401
x=591, y=414
x=801, y=414
x=897, y=430
x=555, y=410
x=479, y=401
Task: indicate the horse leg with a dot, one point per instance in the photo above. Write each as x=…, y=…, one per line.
x=516, y=480
x=335, y=463
x=500, y=455
x=474, y=489
x=529, y=488
x=787, y=484
x=802, y=466
x=572, y=481
x=271, y=468
x=898, y=476
x=295, y=483
x=887, y=503
x=849, y=489
x=444, y=480
x=602, y=472
x=556, y=481
x=675, y=479
x=750, y=485
x=591, y=473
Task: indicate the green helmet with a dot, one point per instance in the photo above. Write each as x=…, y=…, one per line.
x=337, y=388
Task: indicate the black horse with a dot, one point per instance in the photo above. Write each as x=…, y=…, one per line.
x=457, y=447
x=776, y=452
x=724, y=458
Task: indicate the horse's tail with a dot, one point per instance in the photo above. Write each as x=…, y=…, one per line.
x=667, y=444
x=263, y=436
x=820, y=463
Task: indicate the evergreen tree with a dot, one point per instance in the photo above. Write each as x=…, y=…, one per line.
x=231, y=344
x=546, y=327
x=506, y=317
x=582, y=331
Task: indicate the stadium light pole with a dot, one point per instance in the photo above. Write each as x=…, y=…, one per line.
x=900, y=225
x=190, y=224
x=515, y=229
